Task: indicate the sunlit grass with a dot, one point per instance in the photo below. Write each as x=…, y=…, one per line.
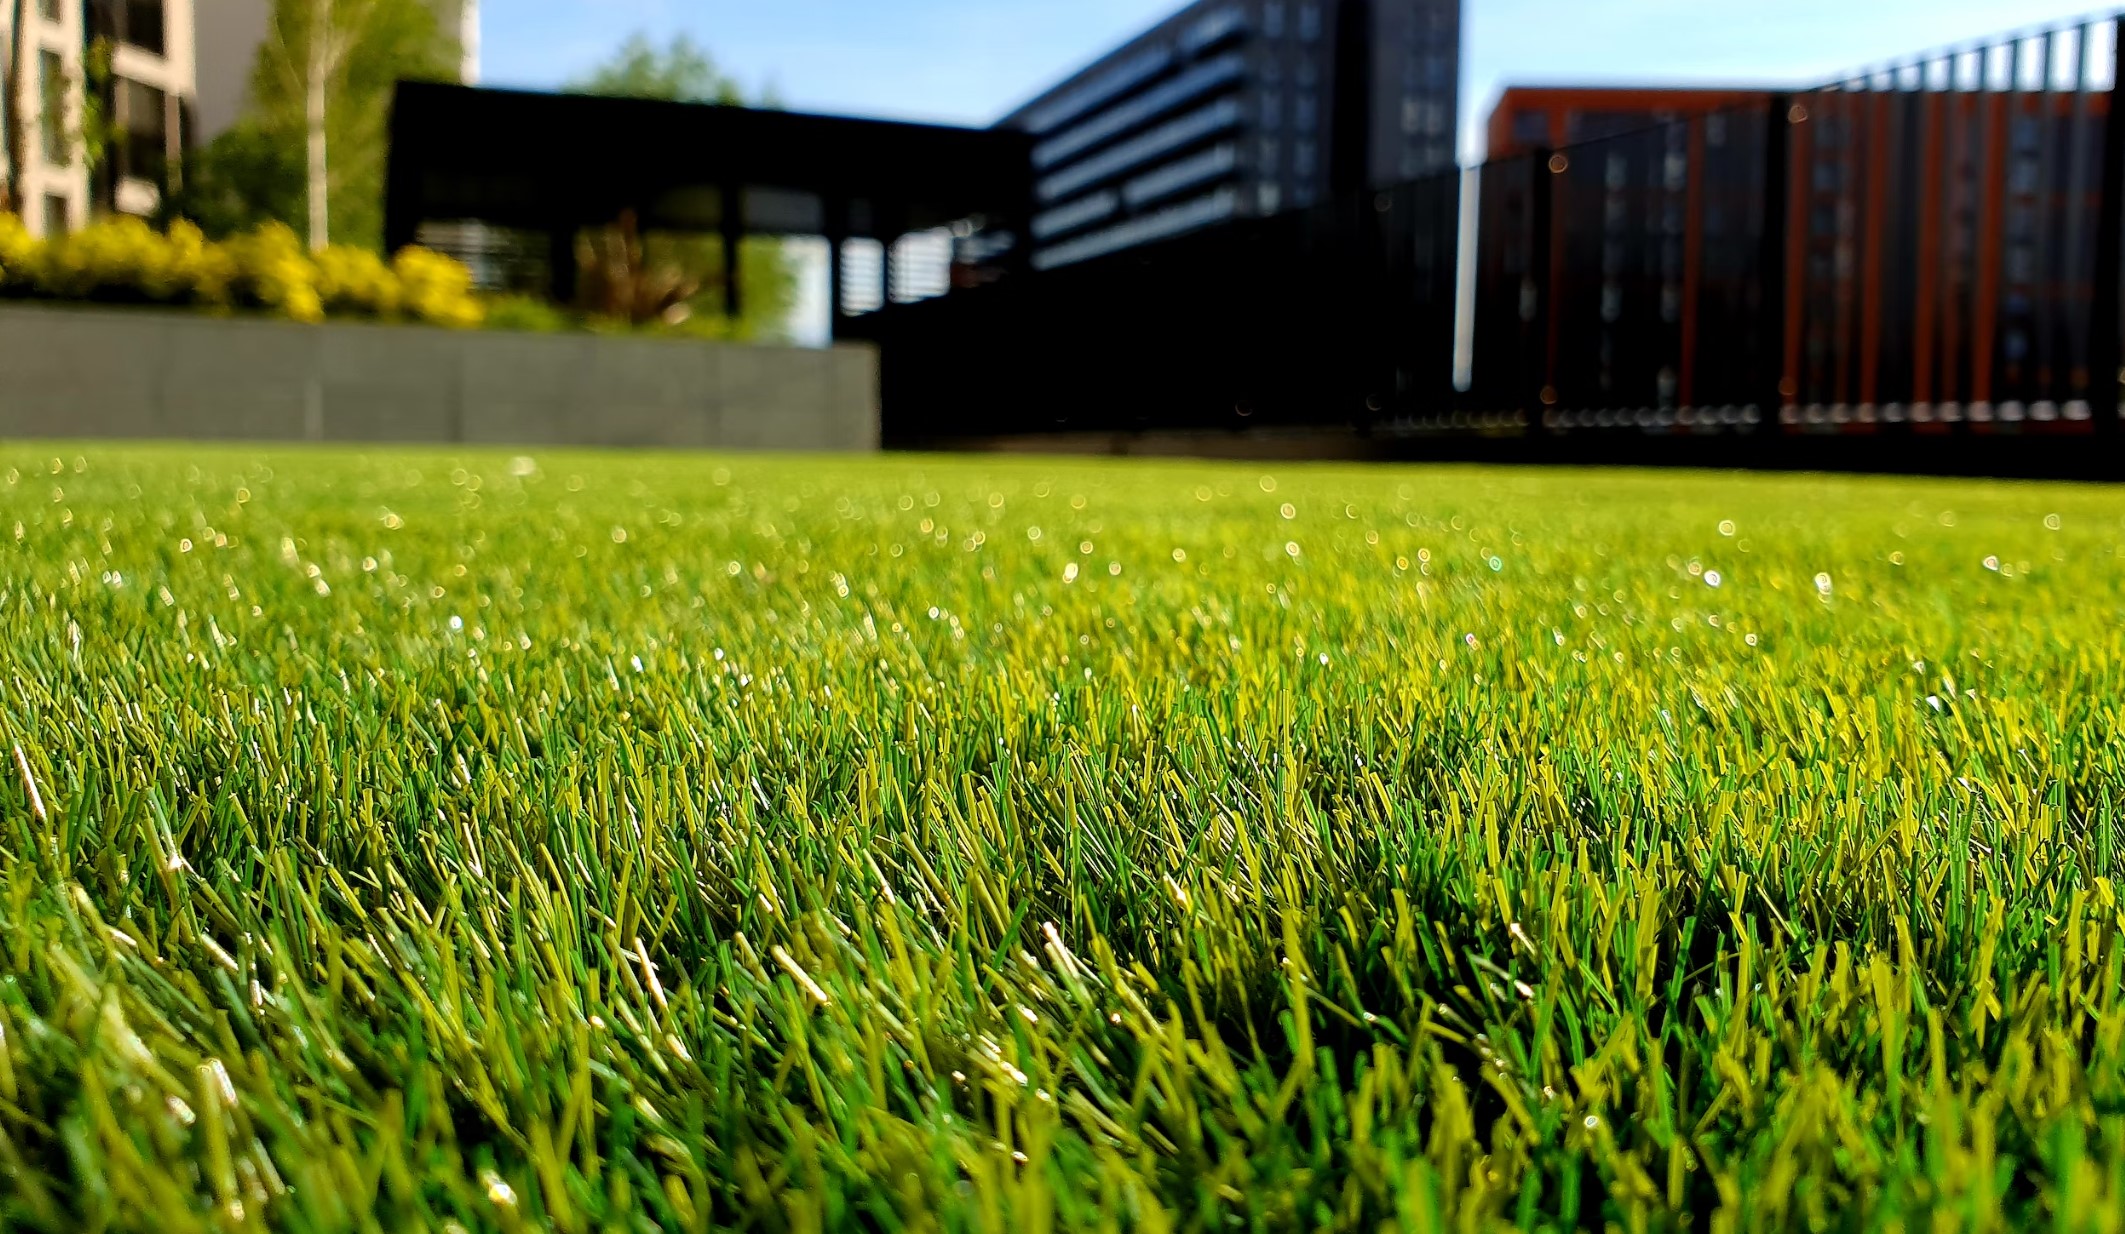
x=626, y=842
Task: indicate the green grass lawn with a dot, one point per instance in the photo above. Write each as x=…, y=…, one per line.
x=580, y=842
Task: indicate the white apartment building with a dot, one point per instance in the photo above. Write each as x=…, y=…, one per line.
x=148, y=99
x=180, y=73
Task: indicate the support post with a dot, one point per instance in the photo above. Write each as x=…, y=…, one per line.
x=561, y=263
x=733, y=232
x=885, y=267
x=835, y=298
x=837, y=234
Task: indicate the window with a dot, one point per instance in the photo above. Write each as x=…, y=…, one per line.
x=1273, y=19
x=54, y=215
x=143, y=114
x=51, y=94
x=144, y=25
x=1307, y=114
x=1309, y=20
x=136, y=23
x=48, y=9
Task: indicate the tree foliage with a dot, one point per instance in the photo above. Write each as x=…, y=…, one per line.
x=254, y=173
x=680, y=71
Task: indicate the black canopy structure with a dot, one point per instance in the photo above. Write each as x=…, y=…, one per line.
x=557, y=163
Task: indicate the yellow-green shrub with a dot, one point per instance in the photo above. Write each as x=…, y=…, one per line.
x=18, y=252
x=436, y=289
x=109, y=259
x=356, y=282
x=194, y=267
x=123, y=259
x=274, y=271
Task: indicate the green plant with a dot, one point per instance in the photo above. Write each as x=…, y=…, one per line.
x=123, y=259
x=435, y=288
x=528, y=314
x=356, y=282
x=585, y=842
x=274, y=271
x=18, y=252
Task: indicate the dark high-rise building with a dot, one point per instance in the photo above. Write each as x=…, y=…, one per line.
x=1239, y=108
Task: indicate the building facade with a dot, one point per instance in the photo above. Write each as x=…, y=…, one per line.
x=138, y=56
x=1240, y=108
x=1901, y=250
x=1528, y=118
x=165, y=76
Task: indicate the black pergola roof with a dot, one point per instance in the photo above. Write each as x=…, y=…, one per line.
x=558, y=161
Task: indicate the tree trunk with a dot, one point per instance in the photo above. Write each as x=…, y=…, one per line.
x=17, y=135
x=315, y=83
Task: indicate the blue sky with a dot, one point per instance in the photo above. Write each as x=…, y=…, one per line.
x=969, y=61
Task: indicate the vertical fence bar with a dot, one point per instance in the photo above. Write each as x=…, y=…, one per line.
x=1539, y=396
x=1925, y=303
x=1692, y=262
x=1990, y=193
x=2105, y=344
x=2077, y=260
x=1557, y=258
x=1847, y=252
x=2046, y=273
x=1871, y=294
x=1796, y=182
x=1771, y=372
x=1954, y=286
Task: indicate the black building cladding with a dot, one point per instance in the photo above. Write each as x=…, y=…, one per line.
x=1240, y=108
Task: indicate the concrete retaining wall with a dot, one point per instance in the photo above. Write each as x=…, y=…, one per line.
x=142, y=374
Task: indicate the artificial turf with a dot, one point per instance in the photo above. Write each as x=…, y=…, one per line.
x=401, y=840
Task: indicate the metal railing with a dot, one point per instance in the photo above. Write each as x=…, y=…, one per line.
x=1928, y=247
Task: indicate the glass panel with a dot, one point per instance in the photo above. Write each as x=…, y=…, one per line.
x=51, y=92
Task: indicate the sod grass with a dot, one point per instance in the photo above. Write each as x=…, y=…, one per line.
x=401, y=840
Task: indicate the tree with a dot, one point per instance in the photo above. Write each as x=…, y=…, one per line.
x=678, y=276
x=332, y=63
x=679, y=73
x=310, y=148
x=247, y=176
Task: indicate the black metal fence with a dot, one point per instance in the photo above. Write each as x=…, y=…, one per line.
x=1932, y=248
x=1342, y=313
